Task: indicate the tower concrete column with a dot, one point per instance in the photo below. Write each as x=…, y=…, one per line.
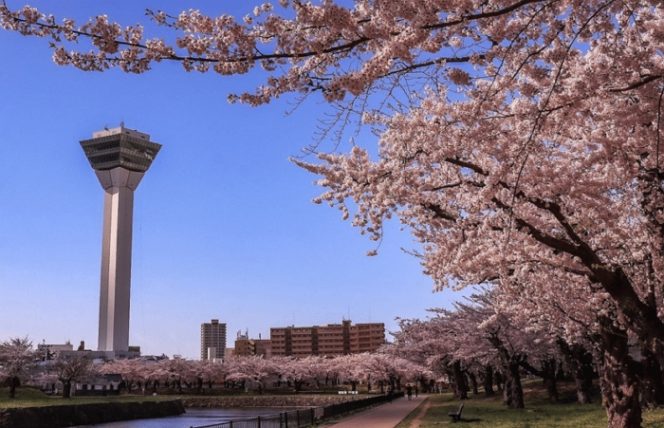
x=120, y=158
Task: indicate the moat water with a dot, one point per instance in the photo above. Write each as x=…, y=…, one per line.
x=193, y=417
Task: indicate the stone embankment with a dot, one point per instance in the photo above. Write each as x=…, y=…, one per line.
x=84, y=414
x=304, y=400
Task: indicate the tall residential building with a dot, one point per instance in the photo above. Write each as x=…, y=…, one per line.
x=120, y=158
x=331, y=339
x=213, y=340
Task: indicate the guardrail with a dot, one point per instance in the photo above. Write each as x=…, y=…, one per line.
x=293, y=419
x=304, y=417
x=348, y=406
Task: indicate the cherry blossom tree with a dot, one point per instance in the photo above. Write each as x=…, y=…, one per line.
x=205, y=372
x=318, y=370
x=479, y=336
x=176, y=371
x=71, y=368
x=155, y=373
x=429, y=343
x=346, y=370
x=16, y=356
x=515, y=137
x=250, y=369
x=298, y=371
x=401, y=369
x=131, y=371
x=579, y=318
x=478, y=331
x=384, y=369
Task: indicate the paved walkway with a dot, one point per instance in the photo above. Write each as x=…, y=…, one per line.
x=383, y=416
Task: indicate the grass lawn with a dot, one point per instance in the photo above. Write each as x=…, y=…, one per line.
x=30, y=397
x=539, y=413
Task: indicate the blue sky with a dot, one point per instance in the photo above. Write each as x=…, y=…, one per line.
x=224, y=226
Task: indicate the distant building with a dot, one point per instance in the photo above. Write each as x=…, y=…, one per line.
x=331, y=339
x=101, y=356
x=50, y=351
x=263, y=347
x=282, y=343
x=213, y=340
x=367, y=337
x=335, y=339
x=244, y=346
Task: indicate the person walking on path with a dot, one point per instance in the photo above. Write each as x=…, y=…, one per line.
x=409, y=392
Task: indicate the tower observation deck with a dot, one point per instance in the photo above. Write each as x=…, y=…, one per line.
x=120, y=158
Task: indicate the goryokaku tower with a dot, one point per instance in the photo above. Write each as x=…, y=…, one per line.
x=120, y=158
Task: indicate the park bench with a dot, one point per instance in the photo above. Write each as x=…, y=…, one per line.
x=456, y=416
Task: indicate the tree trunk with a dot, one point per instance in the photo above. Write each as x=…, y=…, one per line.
x=580, y=364
x=500, y=381
x=549, y=372
x=513, y=392
x=652, y=381
x=66, y=389
x=561, y=374
x=583, y=379
x=473, y=382
x=459, y=381
x=13, y=384
x=620, y=385
x=488, y=381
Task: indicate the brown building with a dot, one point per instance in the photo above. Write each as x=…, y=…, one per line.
x=263, y=347
x=367, y=337
x=331, y=339
x=244, y=346
x=281, y=341
x=334, y=339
